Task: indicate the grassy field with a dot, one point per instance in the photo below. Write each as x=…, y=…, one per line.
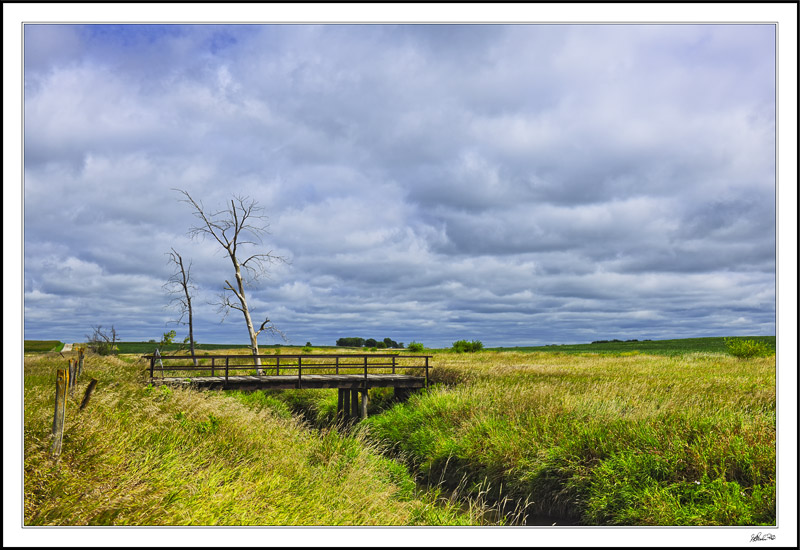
x=138, y=455
x=598, y=439
x=650, y=347
x=42, y=346
x=613, y=438
x=146, y=348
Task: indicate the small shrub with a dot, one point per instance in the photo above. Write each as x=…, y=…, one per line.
x=415, y=347
x=745, y=349
x=208, y=427
x=462, y=346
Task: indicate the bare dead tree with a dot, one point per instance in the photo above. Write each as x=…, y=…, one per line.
x=180, y=287
x=236, y=227
x=102, y=342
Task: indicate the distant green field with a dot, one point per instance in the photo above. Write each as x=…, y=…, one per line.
x=654, y=347
x=42, y=346
x=149, y=347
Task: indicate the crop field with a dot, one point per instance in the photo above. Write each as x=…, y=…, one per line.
x=42, y=346
x=500, y=438
x=651, y=347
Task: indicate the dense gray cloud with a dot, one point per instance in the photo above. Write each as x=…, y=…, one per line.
x=520, y=184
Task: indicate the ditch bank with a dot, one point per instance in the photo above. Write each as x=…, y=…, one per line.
x=454, y=480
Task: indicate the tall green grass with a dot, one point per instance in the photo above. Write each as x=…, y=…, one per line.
x=595, y=439
x=143, y=455
x=600, y=440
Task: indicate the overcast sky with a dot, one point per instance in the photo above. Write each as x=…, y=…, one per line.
x=516, y=184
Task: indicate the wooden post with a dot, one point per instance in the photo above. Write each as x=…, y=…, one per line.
x=62, y=380
x=299, y=370
x=72, y=378
x=212, y=366
x=353, y=403
x=365, y=369
x=340, y=404
x=364, y=404
x=426, y=371
x=394, y=358
x=226, y=368
x=80, y=361
x=152, y=366
x=88, y=394
x=277, y=365
x=337, y=364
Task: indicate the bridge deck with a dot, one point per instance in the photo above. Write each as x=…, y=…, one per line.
x=252, y=382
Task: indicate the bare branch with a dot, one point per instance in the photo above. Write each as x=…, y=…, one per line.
x=229, y=286
x=241, y=224
x=272, y=329
x=180, y=287
x=225, y=304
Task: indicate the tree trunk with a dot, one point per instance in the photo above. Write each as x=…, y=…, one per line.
x=246, y=311
x=191, y=331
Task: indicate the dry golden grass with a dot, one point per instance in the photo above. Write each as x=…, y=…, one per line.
x=140, y=455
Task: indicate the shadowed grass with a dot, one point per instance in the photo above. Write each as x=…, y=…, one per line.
x=636, y=440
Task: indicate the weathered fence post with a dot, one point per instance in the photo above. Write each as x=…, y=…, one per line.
x=80, y=361
x=73, y=367
x=88, y=394
x=212, y=366
x=394, y=359
x=62, y=380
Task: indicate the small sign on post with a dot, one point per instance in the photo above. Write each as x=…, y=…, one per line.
x=160, y=364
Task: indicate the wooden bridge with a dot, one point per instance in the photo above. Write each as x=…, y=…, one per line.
x=352, y=374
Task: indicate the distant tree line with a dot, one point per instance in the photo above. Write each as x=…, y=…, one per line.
x=463, y=346
x=614, y=341
x=368, y=343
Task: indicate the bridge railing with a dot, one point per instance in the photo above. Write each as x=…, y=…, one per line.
x=289, y=365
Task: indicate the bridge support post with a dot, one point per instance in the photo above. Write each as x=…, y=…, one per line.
x=340, y=404
x=354, y=403
x=364, y=404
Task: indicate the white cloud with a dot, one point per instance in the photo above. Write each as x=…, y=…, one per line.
x=522, y=182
